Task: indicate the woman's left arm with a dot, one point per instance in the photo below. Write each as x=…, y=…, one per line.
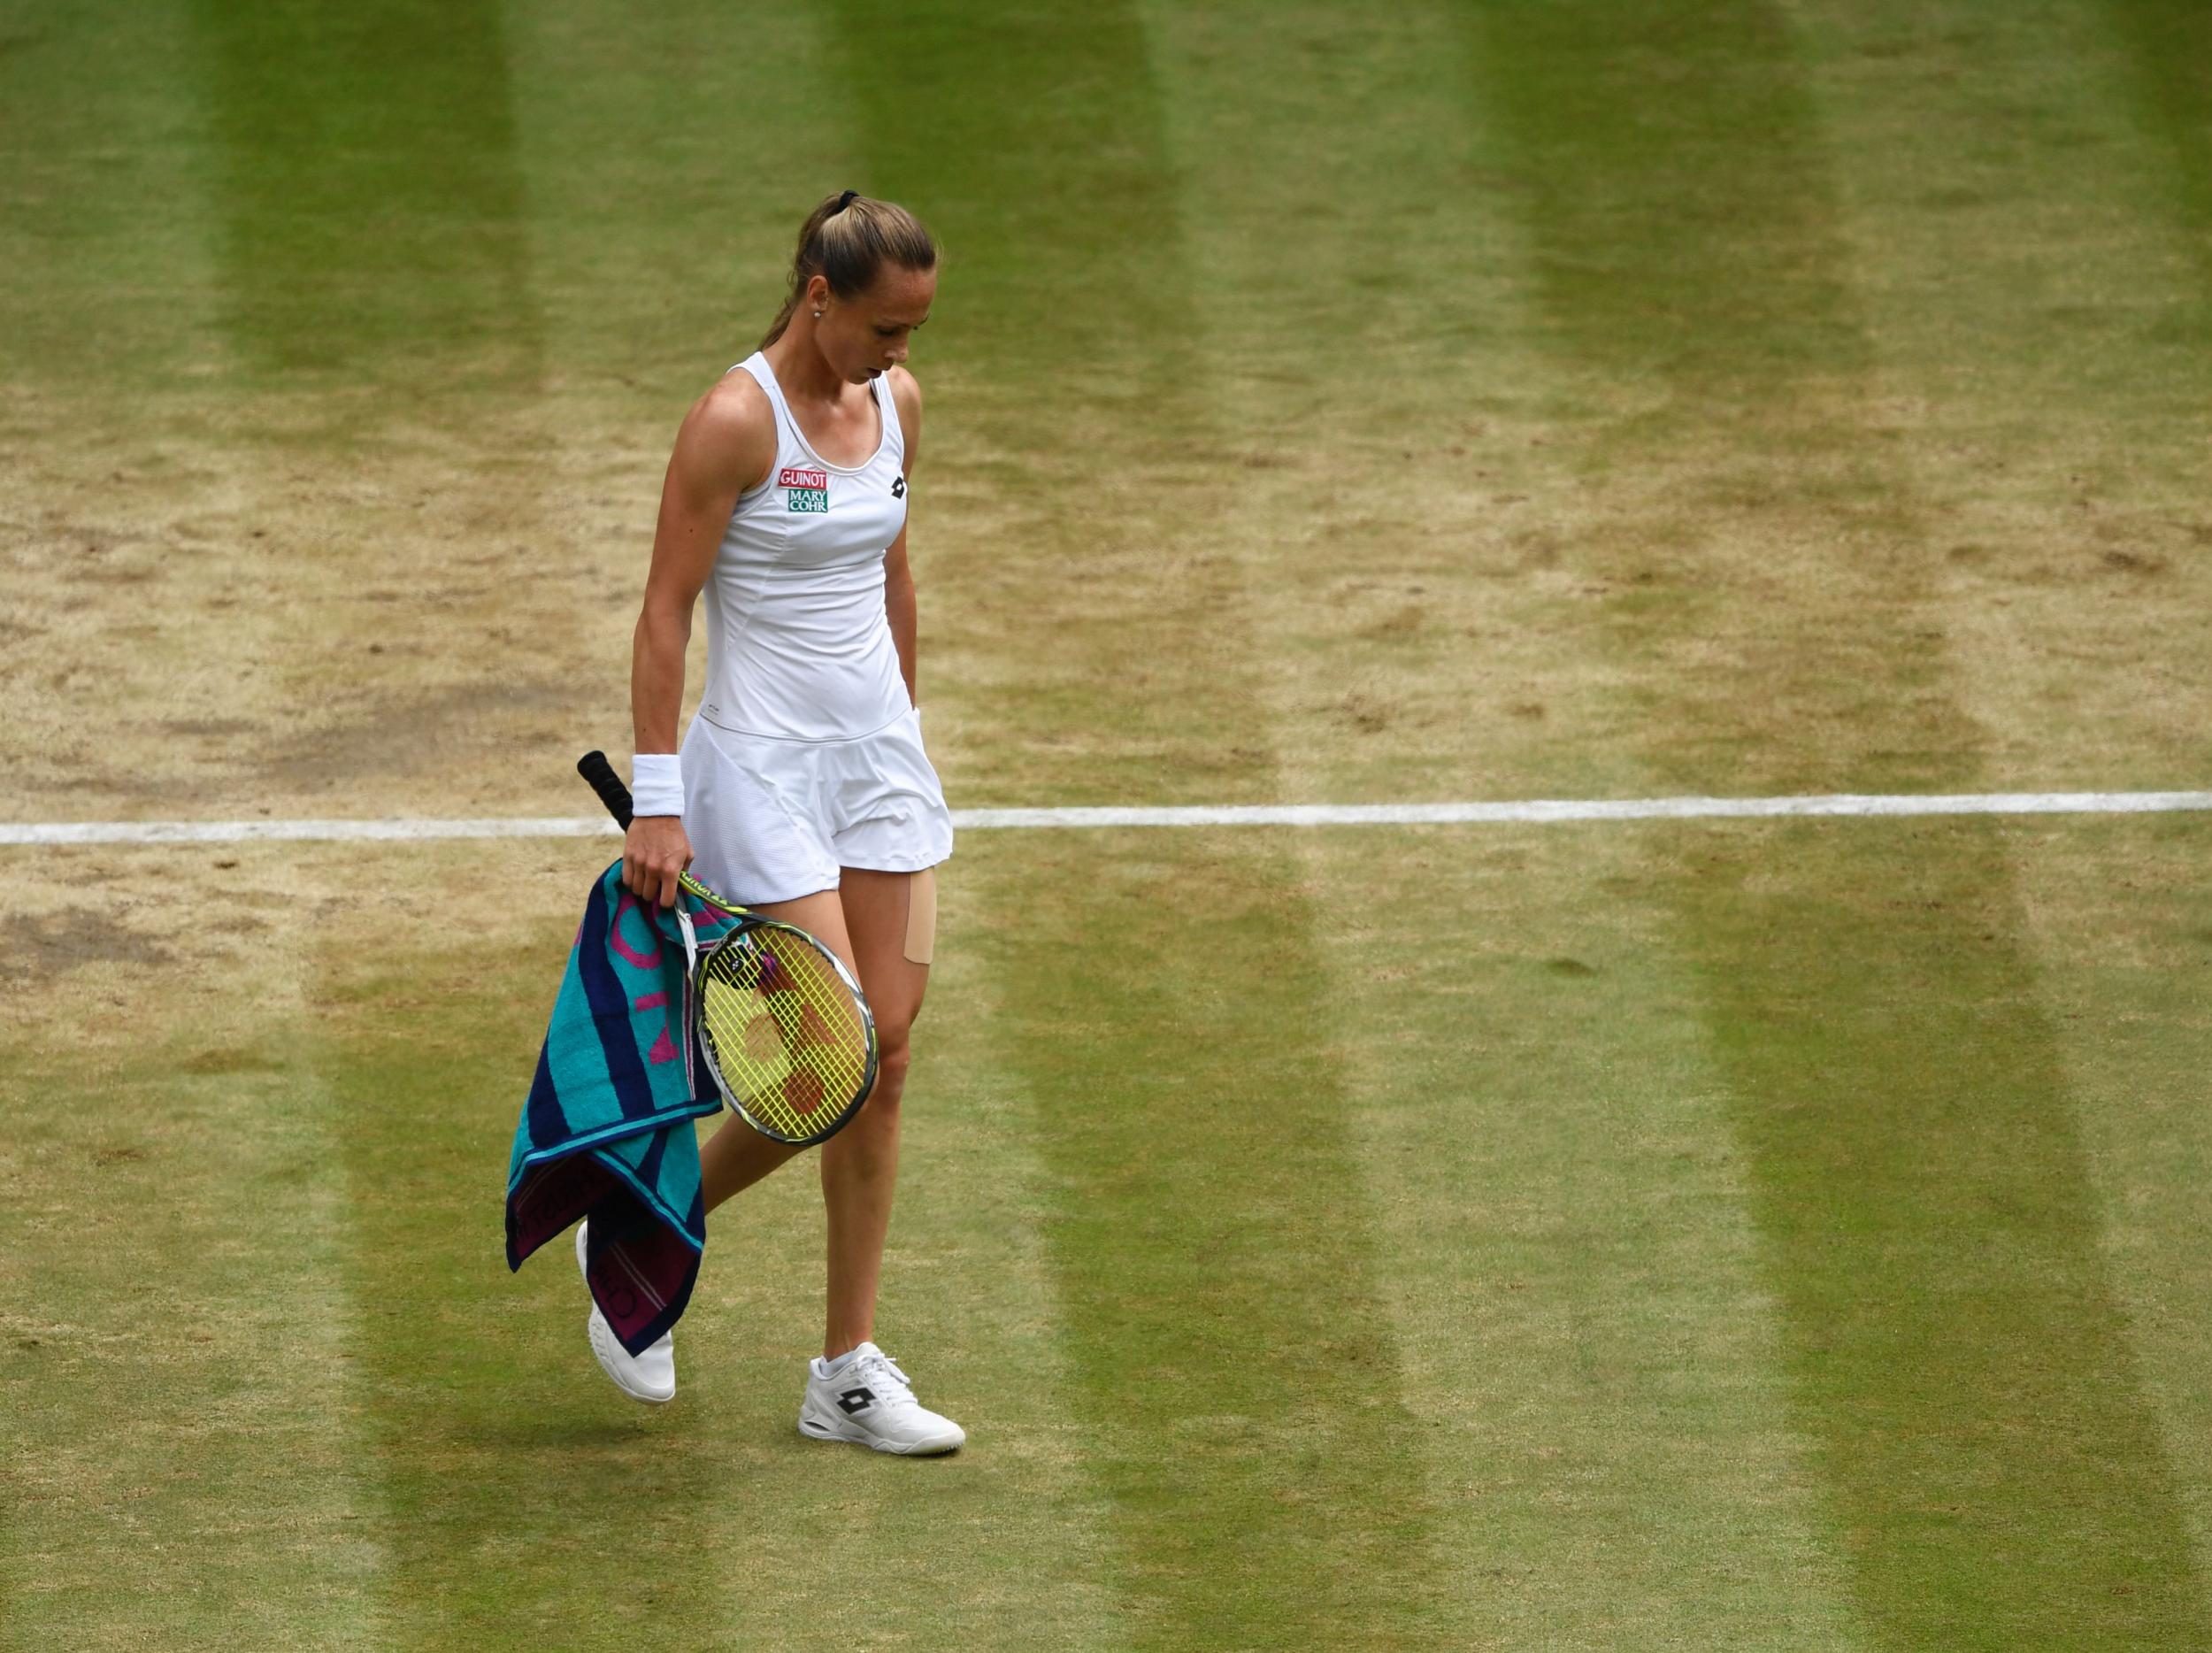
x=898, y=578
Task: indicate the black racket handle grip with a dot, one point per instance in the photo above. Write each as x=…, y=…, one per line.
x=595, y=768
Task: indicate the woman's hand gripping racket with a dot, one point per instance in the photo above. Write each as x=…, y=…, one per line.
x=785, y=1030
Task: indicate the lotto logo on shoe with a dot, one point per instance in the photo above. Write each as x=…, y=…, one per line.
x=856, y=1400
x=807, y=490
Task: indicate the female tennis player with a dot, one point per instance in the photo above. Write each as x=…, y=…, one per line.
x=801, y=789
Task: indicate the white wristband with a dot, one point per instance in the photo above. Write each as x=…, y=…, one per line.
x=657, y=784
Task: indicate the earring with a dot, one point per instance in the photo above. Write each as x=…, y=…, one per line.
x=817, y=315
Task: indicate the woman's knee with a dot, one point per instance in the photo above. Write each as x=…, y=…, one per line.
x=893, y=1058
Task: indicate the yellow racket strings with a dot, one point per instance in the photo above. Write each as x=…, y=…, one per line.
x=782, y=1028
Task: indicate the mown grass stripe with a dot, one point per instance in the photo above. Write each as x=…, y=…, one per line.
x=1061, y=451
x=373, y=224
x=186, y=1455
x=373, y=211
x=833, y=1547
x=876, y=1552
x=529, y=1501
x=2074, y=553
x=1231, y=1357
x=1916, y=1170
x=106, y=244
x=1570, y=1270
x=524, y=1497
x=2169, y=47
x=2145, y=1146
x=2123, y=931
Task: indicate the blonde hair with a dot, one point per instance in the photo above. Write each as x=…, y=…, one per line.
x=847, y=240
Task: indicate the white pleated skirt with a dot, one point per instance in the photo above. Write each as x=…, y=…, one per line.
x=772, y=819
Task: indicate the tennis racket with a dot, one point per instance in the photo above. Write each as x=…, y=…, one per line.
x=785, y=1030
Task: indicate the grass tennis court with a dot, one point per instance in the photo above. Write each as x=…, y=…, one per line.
x=1748, y=1234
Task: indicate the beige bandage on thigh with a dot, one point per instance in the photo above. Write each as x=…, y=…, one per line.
x=921, y=916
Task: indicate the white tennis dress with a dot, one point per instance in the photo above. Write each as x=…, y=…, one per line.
x=806, y=754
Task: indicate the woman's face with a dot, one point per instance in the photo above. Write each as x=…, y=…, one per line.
x=864, y=336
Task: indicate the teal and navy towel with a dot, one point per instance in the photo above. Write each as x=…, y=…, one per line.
x=606, y=1131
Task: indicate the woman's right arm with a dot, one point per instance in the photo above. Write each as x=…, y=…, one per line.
x=726, y=445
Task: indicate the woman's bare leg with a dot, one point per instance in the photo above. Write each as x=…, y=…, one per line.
x=860, y=1164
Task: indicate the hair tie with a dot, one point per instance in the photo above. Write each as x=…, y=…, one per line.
x=847, y=199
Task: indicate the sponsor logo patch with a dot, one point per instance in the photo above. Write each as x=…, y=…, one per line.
x=807, y=490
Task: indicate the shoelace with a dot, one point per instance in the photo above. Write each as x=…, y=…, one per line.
x=882, y=1364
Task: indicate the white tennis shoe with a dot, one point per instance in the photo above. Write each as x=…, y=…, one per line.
x=870, y=1399
x=650, y=1377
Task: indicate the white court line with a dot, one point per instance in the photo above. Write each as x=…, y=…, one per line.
x=1536, y=810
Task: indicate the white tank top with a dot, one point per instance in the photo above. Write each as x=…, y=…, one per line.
x=798, y=644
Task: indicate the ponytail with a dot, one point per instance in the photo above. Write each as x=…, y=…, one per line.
x=847, y=239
